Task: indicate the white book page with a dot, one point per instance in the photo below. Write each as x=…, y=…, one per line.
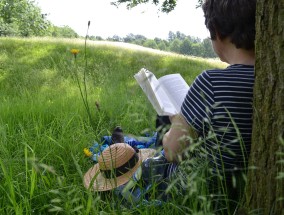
x=144, y=82
x=166, y=105
x=176, y=89
x=155, y=93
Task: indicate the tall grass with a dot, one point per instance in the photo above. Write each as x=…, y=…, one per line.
x=44, y=125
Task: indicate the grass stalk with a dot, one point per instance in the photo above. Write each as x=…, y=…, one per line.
x=44, y=127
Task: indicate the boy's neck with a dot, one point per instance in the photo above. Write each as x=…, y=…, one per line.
x=241, y=56
x=233, y=55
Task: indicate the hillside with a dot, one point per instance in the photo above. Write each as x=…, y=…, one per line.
x=54, y=104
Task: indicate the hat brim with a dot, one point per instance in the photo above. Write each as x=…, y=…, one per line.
x=95, y=178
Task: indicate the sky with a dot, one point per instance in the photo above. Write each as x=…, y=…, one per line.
x=108, y=20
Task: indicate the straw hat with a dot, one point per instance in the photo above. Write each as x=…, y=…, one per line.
x=115, y=166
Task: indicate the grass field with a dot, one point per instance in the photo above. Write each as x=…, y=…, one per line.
x=45, y=124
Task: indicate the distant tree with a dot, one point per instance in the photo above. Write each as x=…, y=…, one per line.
x=197, y=49
x=64, y=31
x=180, y=35
x=175, y=46
x=162, y=45
x=195, y=39
x=178, y=42
x=158, y=40
x=8, y=29
x=186, y=47
x=22, y=18
x=208, y=49
x=95, y=38
x=140, y=39
x=150, y=44
x=115, y=38
x=130, y=38
x=171, y=36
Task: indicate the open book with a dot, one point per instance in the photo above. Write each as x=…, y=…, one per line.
x=166, y=94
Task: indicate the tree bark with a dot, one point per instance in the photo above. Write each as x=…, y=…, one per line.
x=265, y=187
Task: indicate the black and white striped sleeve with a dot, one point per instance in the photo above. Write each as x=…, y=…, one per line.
x=197, y=106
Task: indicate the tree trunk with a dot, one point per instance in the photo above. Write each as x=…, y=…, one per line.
x=265, y=187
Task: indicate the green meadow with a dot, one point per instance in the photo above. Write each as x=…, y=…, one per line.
x=53, y=105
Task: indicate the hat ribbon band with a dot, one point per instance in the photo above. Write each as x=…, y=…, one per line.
x=116, y=172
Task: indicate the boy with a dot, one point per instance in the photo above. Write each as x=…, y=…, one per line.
x=219, y=102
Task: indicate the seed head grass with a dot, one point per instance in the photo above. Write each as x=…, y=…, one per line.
x=44, y=125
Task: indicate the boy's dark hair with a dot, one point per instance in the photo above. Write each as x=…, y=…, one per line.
x=234, y=19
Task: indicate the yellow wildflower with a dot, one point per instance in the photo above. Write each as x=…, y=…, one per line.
x=87, y=152
x=75, y=52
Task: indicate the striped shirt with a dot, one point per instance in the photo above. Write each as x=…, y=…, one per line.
x=218, y=106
